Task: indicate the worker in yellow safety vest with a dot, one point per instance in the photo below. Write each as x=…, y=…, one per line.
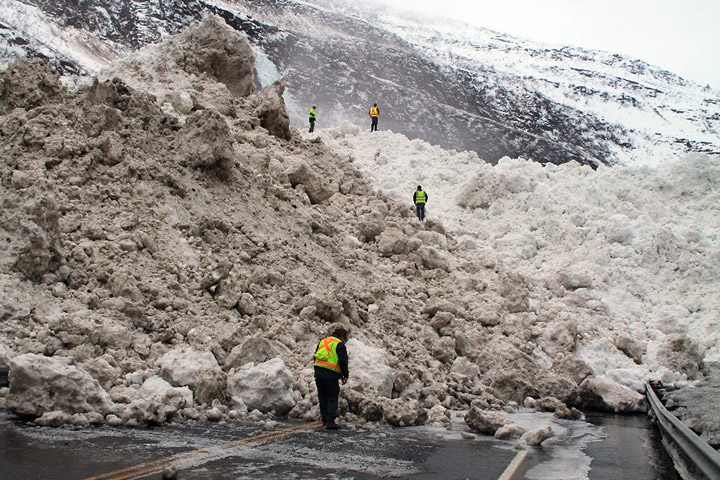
x=374, y=116
x=420, y=198
x=313, y=116
x=331, y=366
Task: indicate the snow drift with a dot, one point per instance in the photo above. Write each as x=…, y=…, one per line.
x=171, y=249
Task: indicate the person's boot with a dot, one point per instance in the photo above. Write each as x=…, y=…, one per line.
x=332, y=426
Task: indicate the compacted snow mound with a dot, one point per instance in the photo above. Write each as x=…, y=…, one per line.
x=265, y=387
x=168, y=253
x=40, y=384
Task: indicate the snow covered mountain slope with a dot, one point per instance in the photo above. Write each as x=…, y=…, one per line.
x=460, y=87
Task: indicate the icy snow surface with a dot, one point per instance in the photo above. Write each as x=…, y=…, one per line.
x=567, y=461
x=640, y=243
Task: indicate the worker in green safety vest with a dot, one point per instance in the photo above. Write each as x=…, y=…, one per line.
x=313, y=115
x=331, y=366
x=420, y=198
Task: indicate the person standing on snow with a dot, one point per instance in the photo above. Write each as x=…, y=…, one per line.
x=420, y=198
x=374, y=116
x=313, y=114
x=331, y=366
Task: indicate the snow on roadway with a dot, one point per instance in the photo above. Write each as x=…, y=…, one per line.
x=372, y=450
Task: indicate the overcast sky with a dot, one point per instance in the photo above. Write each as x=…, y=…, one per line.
x=682, y=36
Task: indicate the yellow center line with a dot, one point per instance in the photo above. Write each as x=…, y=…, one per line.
x=512, y=468
x=162, y=463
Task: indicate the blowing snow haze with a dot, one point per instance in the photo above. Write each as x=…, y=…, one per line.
x=453, y=85
x=170, y=242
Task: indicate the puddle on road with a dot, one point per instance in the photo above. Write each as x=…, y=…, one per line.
x=561, y=457
x=566, y=449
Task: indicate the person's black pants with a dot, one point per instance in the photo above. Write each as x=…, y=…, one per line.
x=373, y=125
x=312, y=125
x=328, y=394
x=420, y=210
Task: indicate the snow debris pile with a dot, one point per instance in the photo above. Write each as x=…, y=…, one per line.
x=171, y=250
x=615, y=271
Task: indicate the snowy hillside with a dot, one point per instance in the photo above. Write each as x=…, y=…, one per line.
x=452, y=85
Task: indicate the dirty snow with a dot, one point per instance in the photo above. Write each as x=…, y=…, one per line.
x=168, y=213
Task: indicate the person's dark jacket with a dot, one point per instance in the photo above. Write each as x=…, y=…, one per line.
x=342, y=361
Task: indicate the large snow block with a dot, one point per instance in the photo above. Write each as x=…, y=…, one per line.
x=272, y=112
x=214, y=48
x=485, y=421
x=401, y=412
x=300, y=173
x=158, y=402
x=40, y=384
x=207, y=143
x=266, y=387
x=200, y=371
x=605, y=394
x=369, y=370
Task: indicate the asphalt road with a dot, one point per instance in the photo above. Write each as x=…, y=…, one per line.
x=606, y=447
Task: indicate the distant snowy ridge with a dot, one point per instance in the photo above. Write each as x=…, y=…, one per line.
x=453, y=85
x=648, y=105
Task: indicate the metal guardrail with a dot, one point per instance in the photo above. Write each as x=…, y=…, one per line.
x=705, y=458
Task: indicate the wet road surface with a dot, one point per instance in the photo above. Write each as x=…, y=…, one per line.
x=604, y=447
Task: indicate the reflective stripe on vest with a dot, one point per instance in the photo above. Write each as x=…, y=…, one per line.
x=374, y=112
x=420, y=196
x=328, y=348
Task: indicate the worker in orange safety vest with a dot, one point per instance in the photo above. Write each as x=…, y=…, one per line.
x=331, y=366
x=374, y=116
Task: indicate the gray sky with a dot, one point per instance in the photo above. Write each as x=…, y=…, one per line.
x=682, y=36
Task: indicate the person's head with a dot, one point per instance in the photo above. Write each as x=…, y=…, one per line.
x=314, y=107
x=419, y=187
x=340, y=333
x=375, y=105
